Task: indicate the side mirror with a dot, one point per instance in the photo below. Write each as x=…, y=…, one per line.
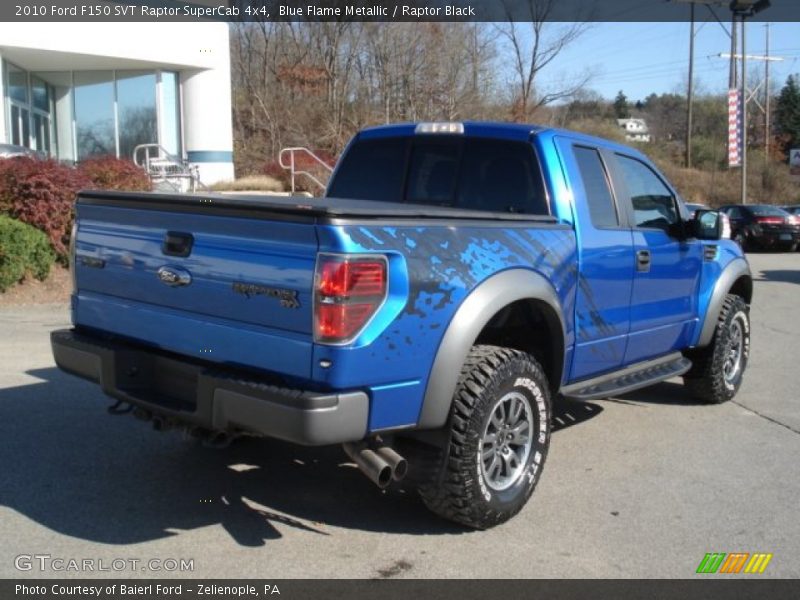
x=707, y=225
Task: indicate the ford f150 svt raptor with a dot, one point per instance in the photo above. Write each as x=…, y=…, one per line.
x=455, y=279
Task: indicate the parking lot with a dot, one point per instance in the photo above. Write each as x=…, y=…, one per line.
x=638, y=486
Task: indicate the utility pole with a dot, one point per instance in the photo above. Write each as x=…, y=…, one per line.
x=766, y=100
x=744, y=111
x=744, y=9
x=767, y=58
x=690, y=91
x=733, y=80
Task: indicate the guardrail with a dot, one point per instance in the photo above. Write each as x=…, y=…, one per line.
x=290, y=164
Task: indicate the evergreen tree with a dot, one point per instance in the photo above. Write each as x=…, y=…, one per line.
x=621, y=108
x=787, y=114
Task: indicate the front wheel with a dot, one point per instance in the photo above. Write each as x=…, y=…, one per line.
x=499, y=434
x=717, y=369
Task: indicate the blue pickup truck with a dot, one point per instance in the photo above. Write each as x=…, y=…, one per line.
x=456, y=280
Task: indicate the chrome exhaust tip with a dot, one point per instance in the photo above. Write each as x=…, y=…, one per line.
x=398, y=464
x=370, y=463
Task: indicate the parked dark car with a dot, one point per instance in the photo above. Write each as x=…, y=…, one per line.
x=794, y=216
x=793, y=210
x=762, y=226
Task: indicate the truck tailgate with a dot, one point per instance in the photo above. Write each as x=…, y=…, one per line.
x=241, y=295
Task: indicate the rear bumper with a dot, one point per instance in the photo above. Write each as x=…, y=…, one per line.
x=772, y=238
x=193, y=394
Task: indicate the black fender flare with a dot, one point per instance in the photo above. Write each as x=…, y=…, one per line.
x=483, y=303
x=733, y=272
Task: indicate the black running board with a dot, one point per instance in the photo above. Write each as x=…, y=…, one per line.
x=628, y=379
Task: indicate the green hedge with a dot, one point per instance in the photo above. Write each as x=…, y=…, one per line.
x=24, y=250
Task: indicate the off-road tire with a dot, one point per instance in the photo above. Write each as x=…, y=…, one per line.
x=457, y=487
x=706, y=379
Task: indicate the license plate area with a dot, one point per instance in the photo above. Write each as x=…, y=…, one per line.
x=786, y=236
x=156, y=379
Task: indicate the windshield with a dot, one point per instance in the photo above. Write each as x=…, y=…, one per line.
x=467, y=173
x=767, y=211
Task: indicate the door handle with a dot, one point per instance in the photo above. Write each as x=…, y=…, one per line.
x=643, y=261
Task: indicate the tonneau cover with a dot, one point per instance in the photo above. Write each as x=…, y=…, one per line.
x=292, y=207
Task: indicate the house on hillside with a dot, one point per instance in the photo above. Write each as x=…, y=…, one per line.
x=636, y=130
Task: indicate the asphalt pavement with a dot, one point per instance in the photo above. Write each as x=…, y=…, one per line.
x=638, y=486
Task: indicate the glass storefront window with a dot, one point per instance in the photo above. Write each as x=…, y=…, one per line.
x=19, y=131
x=136, y=109
x=40, y=96
x=17, y=84
x=41, y=133
x=94, y=113
x=59, y=94
x=77, y=114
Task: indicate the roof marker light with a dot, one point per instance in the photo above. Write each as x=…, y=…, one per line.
x=440, y=127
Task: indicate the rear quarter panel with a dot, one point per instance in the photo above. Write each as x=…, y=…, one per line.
x=435, y=267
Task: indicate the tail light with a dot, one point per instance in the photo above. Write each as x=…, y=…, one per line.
x=348, y=292
x=769, y=220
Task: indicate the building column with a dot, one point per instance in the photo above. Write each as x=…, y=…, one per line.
x=207, y=122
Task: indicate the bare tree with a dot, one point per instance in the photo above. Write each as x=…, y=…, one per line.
x=316, y=83
x=530, y=56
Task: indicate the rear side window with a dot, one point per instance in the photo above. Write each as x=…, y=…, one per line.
x=501, y=176
x=653, y=204
x=598, y=193
x=468, y=173
x=372, y=170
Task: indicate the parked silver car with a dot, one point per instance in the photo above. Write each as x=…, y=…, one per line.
x=12, y=150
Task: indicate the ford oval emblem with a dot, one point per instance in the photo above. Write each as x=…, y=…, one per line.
x=173, y=276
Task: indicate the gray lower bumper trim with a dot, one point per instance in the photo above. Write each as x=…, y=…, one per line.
x=196, y=395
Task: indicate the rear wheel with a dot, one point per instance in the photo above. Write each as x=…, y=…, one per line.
x=499, y=433
x=717, y=369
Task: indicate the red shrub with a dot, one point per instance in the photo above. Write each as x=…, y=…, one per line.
x=41, y=193
x=111, y=173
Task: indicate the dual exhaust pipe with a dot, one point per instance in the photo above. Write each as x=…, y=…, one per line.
x=381, y=465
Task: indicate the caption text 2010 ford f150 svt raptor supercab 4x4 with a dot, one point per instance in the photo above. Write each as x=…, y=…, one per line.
x=455, y=280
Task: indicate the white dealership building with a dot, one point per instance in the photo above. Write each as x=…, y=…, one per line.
x=75, y=90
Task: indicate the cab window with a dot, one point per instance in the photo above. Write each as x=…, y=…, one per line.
x=469, y=173
x=653, y=203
